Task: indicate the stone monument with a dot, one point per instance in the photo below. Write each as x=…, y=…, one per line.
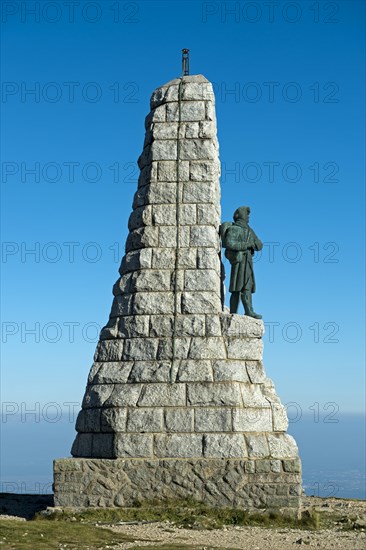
x=177, y=403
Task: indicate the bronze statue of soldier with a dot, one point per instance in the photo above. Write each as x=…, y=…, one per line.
x=240, y=243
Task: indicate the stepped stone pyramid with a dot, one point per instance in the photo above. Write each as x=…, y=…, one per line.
x=177, y=403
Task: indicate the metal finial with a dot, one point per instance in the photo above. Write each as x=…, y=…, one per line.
x=185, y=62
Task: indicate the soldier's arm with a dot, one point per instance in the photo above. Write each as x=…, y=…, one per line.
x=256, y=243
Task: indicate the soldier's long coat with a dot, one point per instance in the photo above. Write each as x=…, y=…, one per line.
x=235, y=239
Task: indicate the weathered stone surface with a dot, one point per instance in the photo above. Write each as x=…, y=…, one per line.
x=202, y=394
x=257, y=446
x=153, y=303
x=244, y=348
x=112, y=373
x=113, y=419
x=163, y=257
x=151, y=280
x=241, y=326
x=122, y=305
x=190, y=111
x=88, y=420
x=200, y=302
x=213, y=327
x=123, y=395
x=133, y=326
x=204, y=171
x=255, y=372
x=145, y=420
x=134, y=445
x=252, y=420
x=137, y=259
x=143, y=237
x=229, y=370
x=179, y=420
x=205, y=236
x=195, y=371
x=140, y=217
x=163, y=395
x=140, y=348
x=224, y=446
x=197, y=149
x=150, y=371
x=207, y=348
x=204, y=279
x=282, y=446
x=213, y=420
x=190, y=325
x=178, y=445
x=280, y=421
x=109, y=350
x=96, y=395
x=202, y=192
x=208, y=258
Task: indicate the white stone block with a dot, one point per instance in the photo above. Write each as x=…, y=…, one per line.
x=153, y=303
x=179, y=420
x=164, y=149
x=151, y=280
x=96, y=395
x=203, y=394
x=124, y=395
x=213, y=420
x=112, y=373
x=257, y=446
x=137, y=349
x=256, y=372
x=122, y=305
x=163, y=395
x=204, y=170
x=109, y=350
x=224, y=446
x=134, y=326
x=145, y=420
x=202, y=279
x=113, y=419
x=165, y=130
x=241, y=326
x=195, y=371
x=252, y=420
x=163, y=258
x=207, y=348
x=178, y=446
x=250, y=349
x=204, y=192
x=282, y=446
x=201, y=302
x=196, y=149
x=144, y=237
x=137, y=259
x=150, y=371
x=230, y=370
x=134, y=445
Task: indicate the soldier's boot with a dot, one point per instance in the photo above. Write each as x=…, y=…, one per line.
x=246, y=298
x=234, y=302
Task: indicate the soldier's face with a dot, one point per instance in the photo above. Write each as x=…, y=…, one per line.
x=245, y=215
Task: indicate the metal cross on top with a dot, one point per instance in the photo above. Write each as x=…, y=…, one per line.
x=185, y=62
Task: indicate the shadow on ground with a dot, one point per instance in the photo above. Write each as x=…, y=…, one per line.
x=23, y=506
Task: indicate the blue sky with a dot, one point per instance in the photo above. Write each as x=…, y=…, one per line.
x=292, y=145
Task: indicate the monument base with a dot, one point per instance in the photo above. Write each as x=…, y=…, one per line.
x=246, y=484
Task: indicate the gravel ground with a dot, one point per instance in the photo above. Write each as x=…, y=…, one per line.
x=258, y=538
x=338, y=513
